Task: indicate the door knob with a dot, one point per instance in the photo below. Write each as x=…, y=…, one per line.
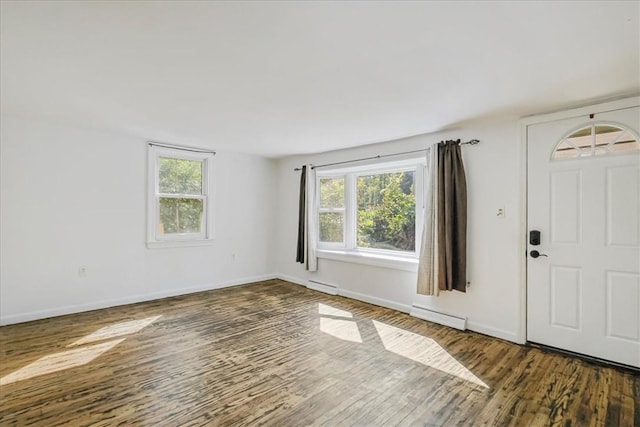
x=536, y=254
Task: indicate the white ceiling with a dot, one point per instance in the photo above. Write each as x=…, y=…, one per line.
x=279, y=78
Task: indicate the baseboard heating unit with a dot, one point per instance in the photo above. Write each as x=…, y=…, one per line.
x=457, y=322
x=322, y=287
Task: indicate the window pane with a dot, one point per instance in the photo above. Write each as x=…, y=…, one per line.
x=332, y=192
x=614, y=131
x=579, y=140
x=332, y=227
x=626, y=142
x=180, y=176
x=565, y=150
x=596, y=140
x=387, y=211
x=180, y=216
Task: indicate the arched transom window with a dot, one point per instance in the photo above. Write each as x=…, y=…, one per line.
x=597, y=139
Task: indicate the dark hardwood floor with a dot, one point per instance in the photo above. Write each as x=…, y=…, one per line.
x=276, y=353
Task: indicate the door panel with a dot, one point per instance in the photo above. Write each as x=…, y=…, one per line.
x=584, y=295
x=623, y=207
x=566, y=202
x=623, y=295
x=566, y=287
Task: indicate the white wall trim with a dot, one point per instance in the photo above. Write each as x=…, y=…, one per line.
x=584, y=110
x=471, y=325
x=291, y=279
x=375, y=300
x=72, y=309
x=522, y=313
x=354, y=295
x=494, y=332
x=446, y=319
x=327, y=288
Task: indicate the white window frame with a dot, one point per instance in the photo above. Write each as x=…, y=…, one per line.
x=349, y=251
x=154, y=240
x=333, y=245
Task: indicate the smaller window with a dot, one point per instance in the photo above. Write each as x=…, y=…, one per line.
x=596, y=140
x=179, y=206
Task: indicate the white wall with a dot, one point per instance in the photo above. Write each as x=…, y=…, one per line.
x=73, y=197
x=492, y=303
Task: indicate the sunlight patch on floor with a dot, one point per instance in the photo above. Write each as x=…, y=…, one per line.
x=327, y=310
x=116, y=330
x=79, y=356
x=346, y=330
x=423, y=350
x=343, y=329
x=59, y=361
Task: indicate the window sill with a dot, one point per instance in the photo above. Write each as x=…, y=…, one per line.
x=178, y=243
x=377, y=260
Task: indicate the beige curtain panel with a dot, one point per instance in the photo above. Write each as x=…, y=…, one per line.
x=427, y=261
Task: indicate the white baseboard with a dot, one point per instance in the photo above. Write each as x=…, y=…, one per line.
x=60, y=311
x=353, y=295
x=424, y=313
x=470, y=325
x=96, y=305
x=375, y=300
x=291, y=279
x=327, y=288
x=493, y=332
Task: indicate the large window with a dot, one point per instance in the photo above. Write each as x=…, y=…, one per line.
x=179, y=206
x=375, y=209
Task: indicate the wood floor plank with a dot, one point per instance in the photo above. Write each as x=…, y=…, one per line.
x=274, y=353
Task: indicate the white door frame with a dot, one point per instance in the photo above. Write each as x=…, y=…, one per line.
x=525, y=122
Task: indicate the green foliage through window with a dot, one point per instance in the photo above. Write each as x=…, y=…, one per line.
x=180, y=177
x=387, y=211
x=332, y=192
x=332, y=227
x=331, y=215
x=180, y=215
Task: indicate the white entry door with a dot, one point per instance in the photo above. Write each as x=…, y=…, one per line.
x=583, y=288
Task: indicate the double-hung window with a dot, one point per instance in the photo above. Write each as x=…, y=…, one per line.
x=179, y=207
x=373, y=211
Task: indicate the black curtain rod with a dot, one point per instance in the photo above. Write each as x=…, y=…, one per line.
x=470, y=142
x=179, y=147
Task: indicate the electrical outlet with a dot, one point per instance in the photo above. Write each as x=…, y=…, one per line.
x=82, y=271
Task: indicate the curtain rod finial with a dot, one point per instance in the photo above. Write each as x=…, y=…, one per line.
x=471, y=142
